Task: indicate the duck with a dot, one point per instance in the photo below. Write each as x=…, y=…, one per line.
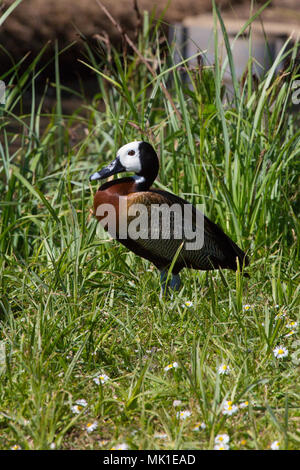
x=159, y=234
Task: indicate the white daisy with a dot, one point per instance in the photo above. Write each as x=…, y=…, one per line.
x=81, y=402
x=188, y=304
x=76, y=409
x=183, y=414
x=244, y=404
x=122, y=446
x=246, y=307
x=222, y=439
x=291, y=325
x=280, y=351
x=177, y=403
x=79, y=406
x=90, y=427
x=103, y=378
x=199, y=426
x=229, y=408
x=16, y=447
x=173, y=365
x=103, y=442
x=224, y=369
x=221, y=447
x=160, y=435
x=275, y=445
x=290, y=333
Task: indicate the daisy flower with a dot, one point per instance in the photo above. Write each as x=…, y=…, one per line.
x=199, y=426
x=224, y=369
x=79, y=406
x=244, y=404
x=229, y=408
x=246, y=307
x=275, y=445
x=160, y=435
x=177, y=403
x=221, y=447
x=82, y=402
x=90, y=427
x=16, y=447
x=183, y=414
x=122, y=446
x=76, y=409
x=101, y=378
x=222, y=439
x=280, y=351
x=103, y=442
x=292, y=324
x=173, y=365
x=188, y=304
x=290, y=333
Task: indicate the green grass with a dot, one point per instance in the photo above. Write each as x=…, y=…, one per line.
x=75, y=304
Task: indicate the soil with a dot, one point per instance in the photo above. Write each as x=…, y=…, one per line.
x=35, y=22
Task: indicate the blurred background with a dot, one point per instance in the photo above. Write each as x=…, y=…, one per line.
x=34, y=22
x=70, y=24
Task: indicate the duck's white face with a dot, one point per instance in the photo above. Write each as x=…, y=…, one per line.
x=129, y=156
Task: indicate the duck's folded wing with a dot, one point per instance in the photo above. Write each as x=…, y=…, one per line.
x=218, y=250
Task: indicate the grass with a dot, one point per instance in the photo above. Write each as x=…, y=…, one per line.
x=75, y=304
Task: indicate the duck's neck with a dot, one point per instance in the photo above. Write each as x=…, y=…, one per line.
x=142, y=183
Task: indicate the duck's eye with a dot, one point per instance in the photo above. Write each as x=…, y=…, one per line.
x=131, y=152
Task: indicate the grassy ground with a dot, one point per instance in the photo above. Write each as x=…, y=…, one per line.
x=77, y=309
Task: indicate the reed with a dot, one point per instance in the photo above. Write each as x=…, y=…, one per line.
x=75, y=305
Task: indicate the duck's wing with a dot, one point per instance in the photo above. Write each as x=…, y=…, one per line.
x=218, y=249
x=157, y=228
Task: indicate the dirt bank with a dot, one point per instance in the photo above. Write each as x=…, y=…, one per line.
x=34, y=22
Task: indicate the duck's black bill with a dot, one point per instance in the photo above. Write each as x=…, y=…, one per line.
x=112, y=169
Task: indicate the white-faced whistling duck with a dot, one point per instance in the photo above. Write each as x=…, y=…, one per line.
x=217, y=249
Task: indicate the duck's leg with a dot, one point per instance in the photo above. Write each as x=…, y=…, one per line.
x=174, y=283
x=164, y=285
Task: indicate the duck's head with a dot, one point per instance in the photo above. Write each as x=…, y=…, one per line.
x=138, y=157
